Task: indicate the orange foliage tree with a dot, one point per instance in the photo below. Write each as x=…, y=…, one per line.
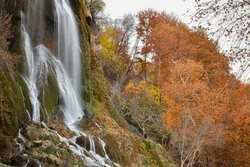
x=168, y=45
x=167, y=40
x=148, y=20
x=206, y=114
x=194, y=112
x=235, y=151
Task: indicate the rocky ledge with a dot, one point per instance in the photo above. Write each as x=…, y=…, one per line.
x=55, y=144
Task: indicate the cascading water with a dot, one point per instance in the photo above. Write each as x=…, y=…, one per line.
x=66, y=69
x=47, y=63
x=30, y=78
x=68, y=42
x=68, y=75
x=69, y=54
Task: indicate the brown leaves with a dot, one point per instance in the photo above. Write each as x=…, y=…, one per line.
x=5, y=35
x=227, y=21
x=194, y=76
x=195, y=111
x=169, y=43
x=5, y=30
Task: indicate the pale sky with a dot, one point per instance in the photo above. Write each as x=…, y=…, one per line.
x=117, y=8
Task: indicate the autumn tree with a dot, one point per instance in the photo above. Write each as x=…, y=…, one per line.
x=171, y=43
x=193, y=114
x=117, y=56
x=168, y=44
x=235, y=151
x=114, y=43
x=126, y=26
x=148, y=20
x=142, y=108
x=112, y=63
x=228, y=20
x=180, y=79
x=205, y=50
x=96, y=10
x=167, y=40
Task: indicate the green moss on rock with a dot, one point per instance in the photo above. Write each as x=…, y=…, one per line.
x=49, y=98
x=8, y=119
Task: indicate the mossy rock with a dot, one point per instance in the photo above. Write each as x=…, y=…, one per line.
x=50, y=150
x=8, y=119
x=143, y=160
x=6, y=147
x=19, y=101
x=48, y=98
x=25, y=92
x=126, y=148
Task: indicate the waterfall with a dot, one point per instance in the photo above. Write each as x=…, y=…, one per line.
x=68, y=42
x=69, y=55
x=65, y=67
x=30, y=77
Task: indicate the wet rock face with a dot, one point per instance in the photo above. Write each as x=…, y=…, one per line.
x=47, y=145
x=57, y=113
x=84, y=142
x=6, y=148
x=124, y=147
x=3, y=165
x=41, y=145
x=41, y=27
x=37, y=131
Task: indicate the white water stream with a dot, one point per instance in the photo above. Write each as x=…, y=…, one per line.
x=66, y=69
x=30, y=78
x=69, y=51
